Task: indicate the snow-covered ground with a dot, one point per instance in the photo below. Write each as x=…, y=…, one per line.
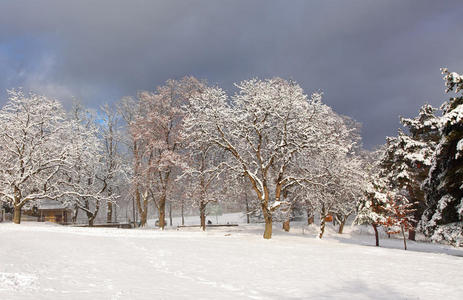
x=42, y=261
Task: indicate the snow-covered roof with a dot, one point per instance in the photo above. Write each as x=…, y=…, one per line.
x=47, y=204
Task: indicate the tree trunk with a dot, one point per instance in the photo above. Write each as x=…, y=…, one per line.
x=286, y=225
x=309, y=217
x=416, y=214
x=412, y=232
x=92, y=216
x=134, y=213
x=17, y=214
x=115, y=213
x=144, y=212
x=322, y=226
x=322, y=221
x=403, y=234
x=310, y=220
x=375, y=227
x=162, y=213
x=183, y=218
x=247, y=208
x=341, y=226
x=268, y=228
x=142, y=207
x=202, y=214
x=17, y=206
x=109, y=215
x=268, y=222
x=75, y=214
x=170, y=213
x=137, y=198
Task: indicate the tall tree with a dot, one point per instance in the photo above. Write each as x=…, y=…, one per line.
x=84, y=179
x=113, y=168
x=352, y=182
x=264, y=127
x=443, y=219
x=324, y=174
x=406, y=160
x=157, y=127
x=34, y=139
x=129, y=109
x=46, y=155
x=203, y=172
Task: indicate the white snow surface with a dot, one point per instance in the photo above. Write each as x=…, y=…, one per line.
x=44, y=261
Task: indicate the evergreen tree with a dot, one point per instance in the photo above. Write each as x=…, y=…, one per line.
x=406, y=159
x=443, y=219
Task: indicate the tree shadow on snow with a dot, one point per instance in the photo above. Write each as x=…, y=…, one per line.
x=354, y=289
x=360, y=236
x=358, y=289
x=397, y=243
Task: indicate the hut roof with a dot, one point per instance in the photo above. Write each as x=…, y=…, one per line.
x=47, y=204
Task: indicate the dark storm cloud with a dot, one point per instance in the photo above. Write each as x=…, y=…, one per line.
x=374, y=60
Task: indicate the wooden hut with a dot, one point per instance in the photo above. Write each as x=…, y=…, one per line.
x=53, y=211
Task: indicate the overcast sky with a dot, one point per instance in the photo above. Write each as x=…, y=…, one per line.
x=374, y=60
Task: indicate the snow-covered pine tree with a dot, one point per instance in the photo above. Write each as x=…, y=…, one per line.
x=406, y=159
x=443, y=220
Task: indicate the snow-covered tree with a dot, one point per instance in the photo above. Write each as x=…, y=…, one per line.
x=406, y=160
x=337, y=189
x=44, y=154
x=157, y=129
x=443, y=219
x=372, y=209
x=264, y=127
x=113, y=172
x=330, y=175
x=352, y=182
x=85, y=179
x=399, y=215
x=203, y=169
x=325, y=194
x=245, y=197
x=129, y=109
x=291, y=199
x=34, y=147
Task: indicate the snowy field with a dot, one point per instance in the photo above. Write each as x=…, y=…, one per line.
x=44, y=261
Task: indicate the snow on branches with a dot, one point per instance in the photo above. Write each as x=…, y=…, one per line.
x=399, y=215
x=43, y=152
x=443, y=218
x=381, y=207
x=265, y=127
x=87, y=179
x=156, y=134
x=34, y=147
x=371, y=209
